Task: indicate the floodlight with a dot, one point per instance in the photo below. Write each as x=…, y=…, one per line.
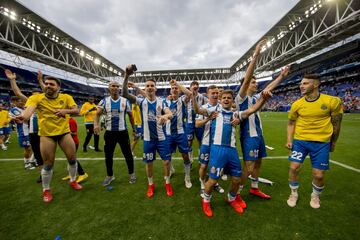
x=12, y=15
x=82, y=53
x=97, y=61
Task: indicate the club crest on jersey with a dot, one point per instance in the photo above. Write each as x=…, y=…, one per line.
x=123, y=105
x=323, y=107
x=213, y=170
x=251, y=153
x=61, y=102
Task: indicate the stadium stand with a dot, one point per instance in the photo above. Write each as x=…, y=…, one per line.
x=339, y=70
x=27, y=81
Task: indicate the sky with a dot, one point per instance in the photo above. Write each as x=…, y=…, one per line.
x=165, y=34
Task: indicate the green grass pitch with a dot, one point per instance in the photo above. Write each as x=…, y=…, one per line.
x=126, y=212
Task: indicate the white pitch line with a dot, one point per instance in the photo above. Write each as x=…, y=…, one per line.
x=345, y=166
x=179, y=158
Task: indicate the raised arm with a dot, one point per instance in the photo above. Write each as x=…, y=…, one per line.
x=183, y=89
x=14, y=87
x=196, y=106
x=275, y=83
x=250, y=70
x=41, y=80
x=137, y=89
x=125, y=90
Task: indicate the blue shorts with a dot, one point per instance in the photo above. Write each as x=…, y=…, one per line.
x=150, y=148
x=138, y=132
x=5, y=130
x=204, y=154
x=24, y=141
x=319, y=153
x=191, y=130
x=224, y=159
x=180, y=141
x=253, y=148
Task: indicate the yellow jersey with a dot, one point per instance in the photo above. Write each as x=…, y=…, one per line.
x=4, y=118
x=49, y=123
x=313, y=119
x=88, y=115
x=136, y=114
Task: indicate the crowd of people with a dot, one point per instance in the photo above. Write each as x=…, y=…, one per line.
x=165, y=123
x=348, y=91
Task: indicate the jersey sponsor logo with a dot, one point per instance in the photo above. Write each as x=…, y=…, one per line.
x=323, y=107
x=114, y=112
x=152, y=116
x=226, y=119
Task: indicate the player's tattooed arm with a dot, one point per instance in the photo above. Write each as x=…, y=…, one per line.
x=137, y=89
x=284, y=72
x=41, y=80
x=125, y=88
x=265, y=95
x=290, y=133
x=336, y=122
x=200, y=123
x=197, y=110
x=182, y=88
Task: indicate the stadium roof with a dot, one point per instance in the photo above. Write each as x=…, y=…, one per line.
x=25, y=33
x=309, y=26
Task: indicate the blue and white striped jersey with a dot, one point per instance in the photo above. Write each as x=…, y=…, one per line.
x=33, y=124
x=221, y=131
x=178, y=109
x=22, y=128
x=206, y=136
x=150, y=112
x=251, y=126
x=191, y=115
x=115, y=113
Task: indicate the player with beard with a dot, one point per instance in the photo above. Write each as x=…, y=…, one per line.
x=54, y=111
x=154, y=114
x=313, y=128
